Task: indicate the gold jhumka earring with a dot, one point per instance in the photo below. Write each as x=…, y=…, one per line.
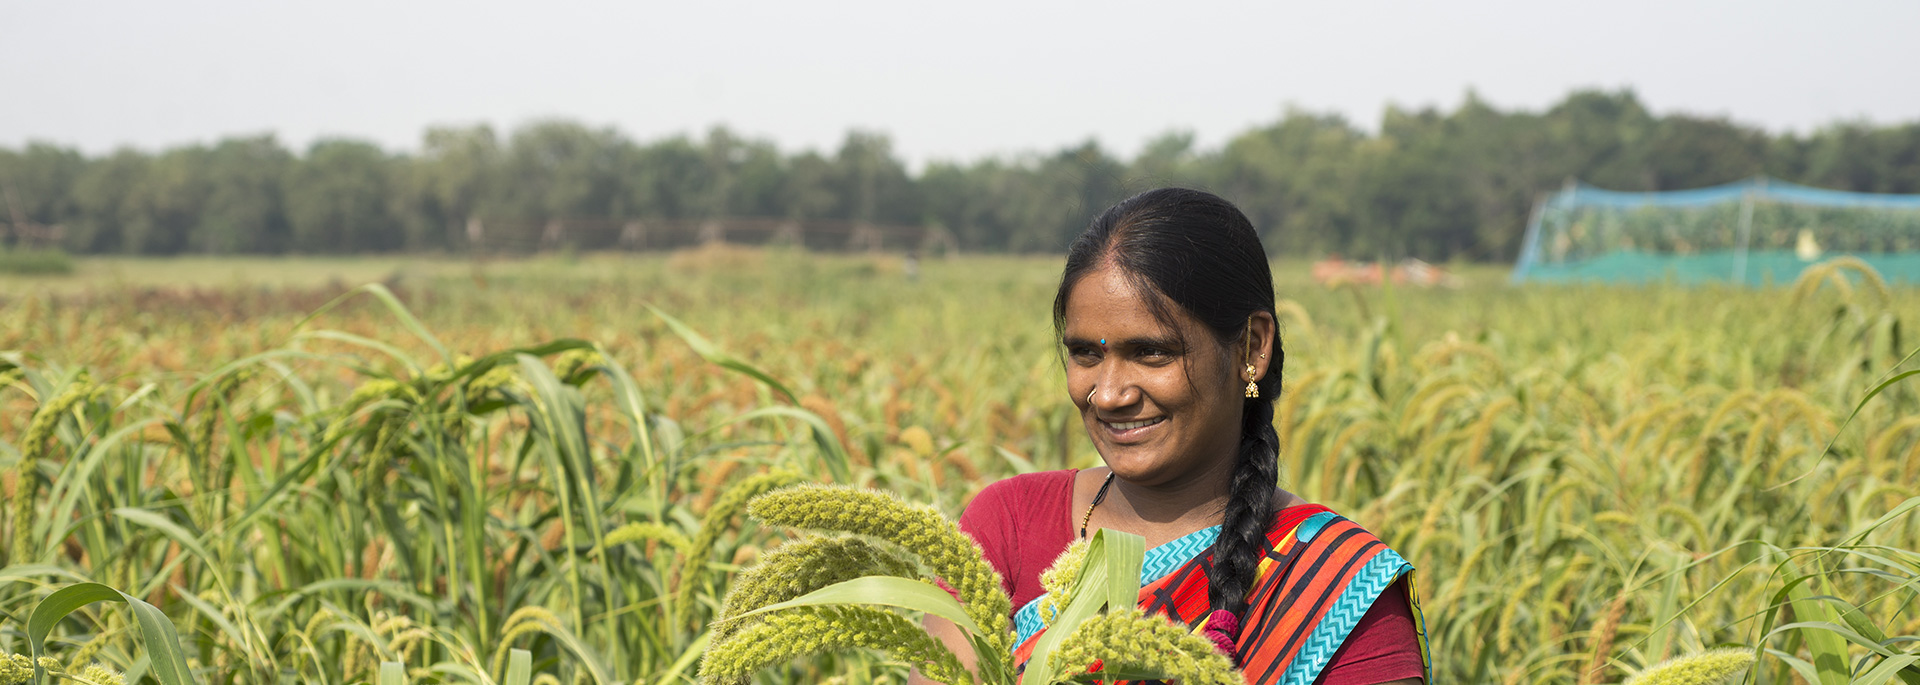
x=1252, y=390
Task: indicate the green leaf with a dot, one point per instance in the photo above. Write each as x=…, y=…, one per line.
x=712, y=353
x=167, y=527
x=156, y=630
x=393, y=673
x=1862, y=404
x=212, y=614
x=1109, y=579
x=890, y=591
x=1884, y=673
x=1806, y=670
x=1123, y=556
x=1829, y=649
x=1858, y=631
x=519, y=667
x=400, y=311
x=680, y=665
x=831, y=451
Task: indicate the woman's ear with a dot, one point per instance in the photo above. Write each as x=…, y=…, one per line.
x=1263, y=339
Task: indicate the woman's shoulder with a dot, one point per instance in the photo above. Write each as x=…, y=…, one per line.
x=1333, y=580
x=1024, y=488
x=1013, y=505
x=1316, y=547
x=1309, y=522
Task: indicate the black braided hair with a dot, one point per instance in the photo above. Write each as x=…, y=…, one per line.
x=1193, y=250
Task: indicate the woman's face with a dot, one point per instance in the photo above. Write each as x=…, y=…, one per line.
x=1160, y=414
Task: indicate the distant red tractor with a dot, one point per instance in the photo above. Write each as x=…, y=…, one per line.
x=1335, y=271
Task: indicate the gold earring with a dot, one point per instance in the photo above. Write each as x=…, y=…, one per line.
x=1253, y=391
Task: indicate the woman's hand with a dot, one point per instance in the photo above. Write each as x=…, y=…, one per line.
x=950, y=635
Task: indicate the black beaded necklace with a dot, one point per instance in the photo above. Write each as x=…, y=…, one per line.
x=1102, y=494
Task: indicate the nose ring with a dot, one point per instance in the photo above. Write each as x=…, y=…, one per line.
x=1090, y=392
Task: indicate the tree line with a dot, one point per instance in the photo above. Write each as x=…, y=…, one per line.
x=1430, y=183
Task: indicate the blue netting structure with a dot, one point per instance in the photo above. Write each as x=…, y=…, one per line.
x=1754, y=232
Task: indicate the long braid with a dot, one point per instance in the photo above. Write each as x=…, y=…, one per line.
x=1250, y=507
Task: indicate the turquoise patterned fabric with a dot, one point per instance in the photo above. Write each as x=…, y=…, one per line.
x=1375, y=578
x=1310, y=528
x=1159, y=562
x=1169, y=557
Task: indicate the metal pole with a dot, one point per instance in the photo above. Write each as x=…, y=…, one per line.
x=1530, y=243
x=1746, y=230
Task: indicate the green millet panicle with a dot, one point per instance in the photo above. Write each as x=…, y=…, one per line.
x=10, y=375
x=101, y=675
x=32, y=448
x=1148, y=643
x=15, y=669
x=723, y=510
x=802, y=566
x=1058, y=579
x=527, y=620
x=88, y=651
x=642, y=532
x=1706, y=668
x=378, y=389
x=784, y=635
x=572, y=364
x=441, y=372
x=494, y=379
x=951, y=555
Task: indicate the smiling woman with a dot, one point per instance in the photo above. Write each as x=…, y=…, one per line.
x=1173, y=358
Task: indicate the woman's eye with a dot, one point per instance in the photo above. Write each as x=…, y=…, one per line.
x=1154, y=355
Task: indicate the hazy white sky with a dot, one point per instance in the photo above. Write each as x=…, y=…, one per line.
x=951, y=80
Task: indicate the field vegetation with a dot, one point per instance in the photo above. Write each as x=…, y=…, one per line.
x=555, y=456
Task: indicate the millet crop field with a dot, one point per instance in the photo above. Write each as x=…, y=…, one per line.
x=536, y=471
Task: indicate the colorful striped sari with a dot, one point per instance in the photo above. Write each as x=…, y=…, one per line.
x=1321, y=574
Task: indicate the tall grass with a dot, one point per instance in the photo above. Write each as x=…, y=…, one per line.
x=1591, y=480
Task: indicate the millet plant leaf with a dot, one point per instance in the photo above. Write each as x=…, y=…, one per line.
x=802, y=566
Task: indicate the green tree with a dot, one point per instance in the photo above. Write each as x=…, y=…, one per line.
x=166, y=202
x=1599, y=137
x=244, y=207
x=104, y=200
x=557, y=169
x=454, y=180
x=1168, y=159
x=37, y=183
x=666, y=179
x=1296, y=180
x=872, y=183
x=1862, y=157
x=341, y=199
x=1692, y=152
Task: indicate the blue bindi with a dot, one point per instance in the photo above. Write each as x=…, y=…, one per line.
x=1103, y=341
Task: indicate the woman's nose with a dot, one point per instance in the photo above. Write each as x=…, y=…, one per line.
x=1111, y=386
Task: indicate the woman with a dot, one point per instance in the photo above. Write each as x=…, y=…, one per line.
x=1173, y=358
